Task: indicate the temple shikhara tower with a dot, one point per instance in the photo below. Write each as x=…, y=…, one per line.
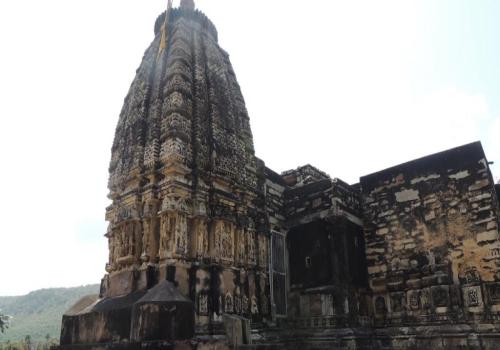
x=183, y=174
x=210, y=249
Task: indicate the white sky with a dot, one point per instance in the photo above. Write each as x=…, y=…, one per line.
x=349, y=86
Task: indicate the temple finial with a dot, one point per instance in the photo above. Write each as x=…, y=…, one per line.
x=187, y=4
x=164, y=31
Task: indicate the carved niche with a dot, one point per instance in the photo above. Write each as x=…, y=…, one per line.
x=493, y=292
x=181, y=241
x=146, y=240
x=327, y=305
x=175, y=150
x=174, y=226
x=473, y=296
x=397, y=302
x=150, y=231
x=244, y=304
x=414, y=300
x=241, y=246
x=167, y=228
x=228, y=303
x=472, y=276
x=380, y=305
x=440, y=296
x=203, y=303
x=201, y=237
x=175, y=203
x=252, y=256
x=425, y=299
x=224, y=240
x=237, y=304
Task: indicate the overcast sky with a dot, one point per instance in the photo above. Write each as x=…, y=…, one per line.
x=351, y=87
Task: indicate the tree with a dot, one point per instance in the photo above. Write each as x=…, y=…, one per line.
x=27, y=341
x=4, y=322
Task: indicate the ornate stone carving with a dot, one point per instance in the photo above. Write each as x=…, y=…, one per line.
x=224, y=240
x=252, y=253
x=200, y=236
x=203, y=304
x=440, y=296
x=494, y=292
x=397, y=300
x=244, y=304
x=241, y=246
x=237, y=304
x=414, y=300
x=425, y=299
x=472, y=297
x=181, y=241
x=228, y=303
x=168, y=223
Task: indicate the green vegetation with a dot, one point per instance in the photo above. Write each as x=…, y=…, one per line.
x=34, y=320
x=28, y=344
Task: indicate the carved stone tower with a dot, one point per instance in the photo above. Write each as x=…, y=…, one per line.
x=183, y=177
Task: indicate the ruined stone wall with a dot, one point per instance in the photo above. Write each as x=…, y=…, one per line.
x=431, y=229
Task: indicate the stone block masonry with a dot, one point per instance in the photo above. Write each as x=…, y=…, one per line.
x=431, y=230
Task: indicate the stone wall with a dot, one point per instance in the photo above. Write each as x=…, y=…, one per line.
x=431, y=229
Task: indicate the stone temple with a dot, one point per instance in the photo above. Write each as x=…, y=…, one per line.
x=210, y=249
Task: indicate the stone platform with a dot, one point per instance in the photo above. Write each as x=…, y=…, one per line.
x=458, y=336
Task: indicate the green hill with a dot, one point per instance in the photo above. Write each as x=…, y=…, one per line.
x=39, y=313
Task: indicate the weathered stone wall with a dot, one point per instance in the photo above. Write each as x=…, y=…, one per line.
x=326, y=266
x=431, y=228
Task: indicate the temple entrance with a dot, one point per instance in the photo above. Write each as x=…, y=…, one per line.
x=327, y=254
